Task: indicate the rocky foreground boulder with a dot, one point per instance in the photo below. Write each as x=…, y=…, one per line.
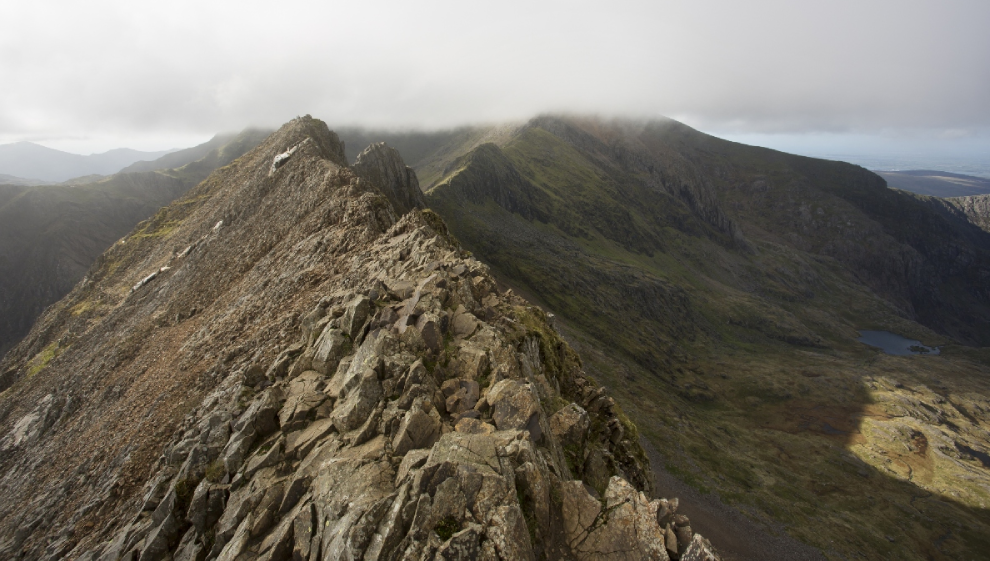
x=295, y=370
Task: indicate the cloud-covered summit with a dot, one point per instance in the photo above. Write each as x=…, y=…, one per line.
x=109, y=68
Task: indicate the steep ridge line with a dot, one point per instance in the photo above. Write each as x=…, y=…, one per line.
x=327, y=377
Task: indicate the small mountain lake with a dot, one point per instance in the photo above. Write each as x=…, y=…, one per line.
x=894, y=344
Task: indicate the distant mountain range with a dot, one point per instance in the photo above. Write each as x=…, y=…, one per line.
x=27, y=161
x=936, y=183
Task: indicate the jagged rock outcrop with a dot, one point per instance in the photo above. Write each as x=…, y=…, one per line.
x=339, y=380
x=976, y=209
x=383, y=167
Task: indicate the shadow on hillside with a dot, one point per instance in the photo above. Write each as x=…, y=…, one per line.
x=886, y=514
x=735, y=536
x=935, y=525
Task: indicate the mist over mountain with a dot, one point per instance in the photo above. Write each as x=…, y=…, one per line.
x=14, y=180
x=35, y=162
x=414, y=145
x=219, y=148
x=716, y=290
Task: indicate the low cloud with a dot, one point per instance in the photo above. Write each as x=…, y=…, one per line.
x=181, y=69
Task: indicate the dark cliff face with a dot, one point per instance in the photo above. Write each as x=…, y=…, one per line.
x=931, y=267
x=282, y=364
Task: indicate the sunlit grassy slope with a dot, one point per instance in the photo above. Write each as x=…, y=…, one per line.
x=717, y=290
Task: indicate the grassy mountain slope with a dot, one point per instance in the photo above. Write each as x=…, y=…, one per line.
x=51, y=234
x=929, y=266
x=8, y=192
x=220, y=148
x=718, y=288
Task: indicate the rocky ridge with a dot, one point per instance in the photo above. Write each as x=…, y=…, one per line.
x=745, y=362
x=340, y=380
x=50, y=235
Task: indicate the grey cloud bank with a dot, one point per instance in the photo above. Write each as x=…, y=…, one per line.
x=85, y=76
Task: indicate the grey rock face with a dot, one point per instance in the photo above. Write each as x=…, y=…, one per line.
x=357, y=401
x=699, y=549
x=34, y=424
x=304, y=396
x=461, y=395
x=570, y=425
x=330, y=348
x=298, y=444
x=261, y=416
x=462, y=546
x=382, y=165
x=514, y=407
x=464, y=324
x=355, y=315
x=418, y=430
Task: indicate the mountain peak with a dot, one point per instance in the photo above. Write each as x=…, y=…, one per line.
x=305, y=369
x=326, y=144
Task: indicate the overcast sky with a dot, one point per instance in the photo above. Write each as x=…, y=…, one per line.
x=89, y=76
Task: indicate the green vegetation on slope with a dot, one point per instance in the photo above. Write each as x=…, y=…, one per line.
x=736, y=355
